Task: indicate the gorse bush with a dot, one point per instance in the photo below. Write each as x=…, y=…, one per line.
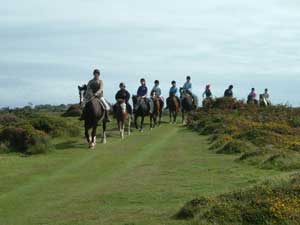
x=276, y=202
x=259, y=133
x=29, y=132
x=54, y=126
x=24, y=140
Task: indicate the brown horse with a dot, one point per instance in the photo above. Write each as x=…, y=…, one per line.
x=122, y=116
x=174, y=108
x=93, y=113
x=156, y=115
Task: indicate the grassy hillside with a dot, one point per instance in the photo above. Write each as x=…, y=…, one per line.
x=144, y=179
x=265, y=137
x=274, y=202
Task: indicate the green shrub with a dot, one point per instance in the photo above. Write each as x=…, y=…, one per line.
x=24, y=140
x=233, y=147
x=54, y=126
x=269, y=203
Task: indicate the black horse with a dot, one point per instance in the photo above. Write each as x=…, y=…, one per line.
x=93, y=113
x=142, y=111
x=187, y=103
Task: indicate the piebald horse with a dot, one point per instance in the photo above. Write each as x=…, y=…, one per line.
x=93, y=113
x=122, y=116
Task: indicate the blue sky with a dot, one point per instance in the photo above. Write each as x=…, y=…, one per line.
x=47, y=48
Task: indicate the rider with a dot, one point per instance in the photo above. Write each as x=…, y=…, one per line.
x=252, y=95
x=266, y=96
x=207, y=93
x=124, y=95
x=228, y=92
x=95, y=89
x=173, y=92
x=156, y=91
x=142, y=94
x=187, y=87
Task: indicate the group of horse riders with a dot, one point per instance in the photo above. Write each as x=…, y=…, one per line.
x=95, y=90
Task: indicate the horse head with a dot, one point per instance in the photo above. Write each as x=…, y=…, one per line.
x=82, y=91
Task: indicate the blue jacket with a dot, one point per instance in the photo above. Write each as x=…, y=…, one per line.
x=142, y=91
x=173, y=90
x=187, y=86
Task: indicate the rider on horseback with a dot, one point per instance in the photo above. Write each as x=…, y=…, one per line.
x=266, y=97
x=173, y=93
x=95, y=89
x=156, y=91
x=252, y=96
x=228, y=92
x=187, y=88
x=207, y=93
x=124, y=96
x=142, y=95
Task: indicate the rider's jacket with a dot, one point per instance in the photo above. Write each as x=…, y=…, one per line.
x=157, y=91
x=207, y=93
x=94, y=88
x=173, y=90
x=252, y=95
x=123, y=94
x=142, y=91
x=187, y=86
x=228, y=93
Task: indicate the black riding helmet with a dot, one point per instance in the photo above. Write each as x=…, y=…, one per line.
x=156, y=82
x=122, y=85
x=96, y=71
x=143, y=80
x=188, y=78
x=173, y=82
x=231, y=86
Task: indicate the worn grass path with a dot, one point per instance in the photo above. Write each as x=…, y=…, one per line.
x=142, y=180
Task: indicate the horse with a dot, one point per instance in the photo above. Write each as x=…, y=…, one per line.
x=82, y=91
x=141, y=111
x=187, y=103
x=93, y=113
x=122, y=116
x=263, y=101
x=174, y=108
x=251, y=101
x=155, y=117
x=208, y=103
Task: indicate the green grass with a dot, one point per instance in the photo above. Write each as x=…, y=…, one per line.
x=144, y=179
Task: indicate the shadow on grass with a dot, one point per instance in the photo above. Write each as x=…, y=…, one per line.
x=69, y=145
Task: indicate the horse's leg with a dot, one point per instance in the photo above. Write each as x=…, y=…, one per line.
x=129, y=125
x=151, y=121
x=135, y=122
x=122, y=129
x=86, y=133
x=93, y=141
x=142, y=123
x=104, y=132
x=174, y=117
x=183, y=116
